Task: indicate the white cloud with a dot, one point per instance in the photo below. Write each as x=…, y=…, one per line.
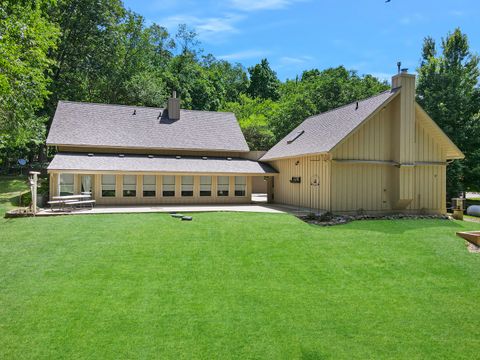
x=246, y=54
x=288, y=60
x=254, y=5
x=209, y=29
x=415, y=17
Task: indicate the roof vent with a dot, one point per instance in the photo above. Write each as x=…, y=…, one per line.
x=90, y=154
x=356, y=106
x=150, y=156
x=295, y=136
x=404, y=70
x=204, y=157
x=121, y=155
x=134, y=112
x=178, y=157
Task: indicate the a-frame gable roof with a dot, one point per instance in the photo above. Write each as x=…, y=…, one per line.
x=321, y=133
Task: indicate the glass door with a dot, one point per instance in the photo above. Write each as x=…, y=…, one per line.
x=86, y=185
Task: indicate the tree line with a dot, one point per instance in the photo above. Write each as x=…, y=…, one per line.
x=99, y=51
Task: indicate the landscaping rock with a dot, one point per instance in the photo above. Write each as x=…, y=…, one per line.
x=186, y=218
x=177, y=215
x=329, y=219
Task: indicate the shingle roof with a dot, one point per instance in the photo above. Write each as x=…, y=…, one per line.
x=167, y=164
x=322, y=132
x=87, y=124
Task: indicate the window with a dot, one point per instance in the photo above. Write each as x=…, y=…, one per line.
x=168, y=186
x=187, y=185
x=66, y=184
x=205, y=186
x=86, y=185
x=108, y=185
x=240, y=185
x=129, y=185
x=149, y=184
x=222, y=185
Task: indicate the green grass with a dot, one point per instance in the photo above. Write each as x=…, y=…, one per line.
x=10, y=189
x=235, y=285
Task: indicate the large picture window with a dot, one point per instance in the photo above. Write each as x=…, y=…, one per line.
x=168, y=185
x=187, y=185
x=149, y=185
x=108, y=185
x=66, y=184
x=240, y=185
x=223, y=184
x=129, y=185
x=205, y=186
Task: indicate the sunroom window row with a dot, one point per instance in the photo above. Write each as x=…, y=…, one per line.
x=149, y=185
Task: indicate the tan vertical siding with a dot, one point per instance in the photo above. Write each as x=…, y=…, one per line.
x=427, y=147
x=369, y=142
x=359, y=187
x=306, y=194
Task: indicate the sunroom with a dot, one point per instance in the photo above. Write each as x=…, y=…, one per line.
x=147, y=179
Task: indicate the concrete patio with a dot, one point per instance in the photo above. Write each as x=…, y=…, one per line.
x=165, y=209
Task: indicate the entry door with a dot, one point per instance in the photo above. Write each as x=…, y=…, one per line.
x=86, y=184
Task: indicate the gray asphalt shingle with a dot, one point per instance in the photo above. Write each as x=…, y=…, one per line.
x=322, y=132
x=170, y=164
x=87, y=124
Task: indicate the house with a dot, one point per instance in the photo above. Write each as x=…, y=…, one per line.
x=381, y=154
x=127, y=155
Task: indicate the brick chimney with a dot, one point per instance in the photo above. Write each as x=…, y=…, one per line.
x=403, y=137
x=173, y=107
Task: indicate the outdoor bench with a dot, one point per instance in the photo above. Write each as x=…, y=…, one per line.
x=81, y=202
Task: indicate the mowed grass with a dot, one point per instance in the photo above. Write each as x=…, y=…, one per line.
x=10, y=189
x=235, y=285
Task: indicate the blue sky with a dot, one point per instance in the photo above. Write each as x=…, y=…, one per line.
x=369, y=36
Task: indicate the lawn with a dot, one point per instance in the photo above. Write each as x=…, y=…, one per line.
x=235, y=285
x=10, y=189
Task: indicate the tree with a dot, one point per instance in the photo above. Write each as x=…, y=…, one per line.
x=188, y=40
x=26, y=37
x=263, y=81
x=254, y=117
x=85, y=46
x=320, y=91
x=448, y=91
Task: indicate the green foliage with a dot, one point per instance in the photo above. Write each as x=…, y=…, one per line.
x=253, y=116
x=320, y=91
x=263, y=81
x=448, y=90
x=26, y=37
